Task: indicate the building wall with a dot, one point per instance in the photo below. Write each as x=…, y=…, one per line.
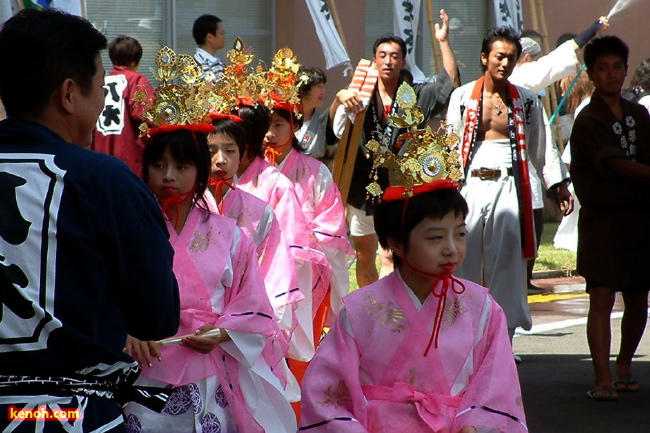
x=295, y=29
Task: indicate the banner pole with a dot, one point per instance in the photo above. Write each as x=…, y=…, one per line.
x=331, y=4
x=432, y=33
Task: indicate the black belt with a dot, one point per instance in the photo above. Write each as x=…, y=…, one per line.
x=489, y=173
x=117, y=387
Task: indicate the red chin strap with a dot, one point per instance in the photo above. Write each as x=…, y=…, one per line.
x=217, y=184
x=272, y=151
x=446, y=282
x=171, y=204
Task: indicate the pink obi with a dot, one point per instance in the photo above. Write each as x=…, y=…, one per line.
x=432, y=407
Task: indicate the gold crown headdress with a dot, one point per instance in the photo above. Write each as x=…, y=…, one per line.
x=184, y=105
x=282, y=85
x=238, y=84
x=430, y=161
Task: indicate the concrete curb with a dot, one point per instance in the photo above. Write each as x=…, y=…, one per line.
x=560, y=273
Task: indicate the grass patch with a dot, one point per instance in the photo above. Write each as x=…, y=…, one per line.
x=549, y=258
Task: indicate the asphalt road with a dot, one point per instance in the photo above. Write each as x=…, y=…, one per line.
x=556, y=371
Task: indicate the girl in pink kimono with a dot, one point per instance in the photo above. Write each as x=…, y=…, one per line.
x=321, y=203
x=224, y=381
x=258, y=177
x=254, y=216
x=419, y=350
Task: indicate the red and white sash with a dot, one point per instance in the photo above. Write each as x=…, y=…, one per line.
x=517, y=133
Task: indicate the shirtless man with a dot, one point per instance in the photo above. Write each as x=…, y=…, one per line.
x=502, y=133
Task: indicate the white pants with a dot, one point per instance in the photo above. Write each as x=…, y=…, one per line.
x=494, y=253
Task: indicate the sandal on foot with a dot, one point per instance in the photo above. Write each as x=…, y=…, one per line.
x=603, y=394
x=630, y=385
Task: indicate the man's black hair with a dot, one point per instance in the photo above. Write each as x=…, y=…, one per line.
x=505, y=34
x=433, y=204
x=603, y=46
x=204, y=25
x=68, y=47
x=389, y=39
x=563, y=38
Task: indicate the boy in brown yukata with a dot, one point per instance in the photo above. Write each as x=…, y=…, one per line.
x=610, y=168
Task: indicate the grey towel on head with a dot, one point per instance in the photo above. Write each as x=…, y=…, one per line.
x=529, y=46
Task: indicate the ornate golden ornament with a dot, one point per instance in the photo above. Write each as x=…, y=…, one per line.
x=182, y=98
x=240, y=54
x=282, y=82
x=239, y=83
x=429, y=155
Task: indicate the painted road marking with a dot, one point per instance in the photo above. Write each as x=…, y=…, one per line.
x=546, y=327
x=549, y=297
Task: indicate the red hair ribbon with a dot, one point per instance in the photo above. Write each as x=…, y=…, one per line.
x=278, y=105
x=394, y=193
x=218, y=116
x=245, y=100
x=217, y=191
x=202, y=127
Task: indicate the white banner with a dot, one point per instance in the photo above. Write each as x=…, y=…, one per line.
x=406, y=16
x=508, y=13
x=333, y=49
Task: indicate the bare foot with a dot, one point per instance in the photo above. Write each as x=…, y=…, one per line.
x=623, y=372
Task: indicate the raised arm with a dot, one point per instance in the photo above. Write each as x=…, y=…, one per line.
x=448, y=58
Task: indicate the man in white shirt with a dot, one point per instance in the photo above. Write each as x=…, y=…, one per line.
x=209, y=35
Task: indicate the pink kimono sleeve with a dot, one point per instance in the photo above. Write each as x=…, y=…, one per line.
x=493, y=398
x=329, y=223
x=278, y=268
x=294, y=225
x=303, y=245
x=247, y=307
x=332, y=399
x=330, y=227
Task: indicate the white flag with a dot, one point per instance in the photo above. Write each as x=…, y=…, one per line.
x=406, y=15
x=333, y=49
x=508, y=13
